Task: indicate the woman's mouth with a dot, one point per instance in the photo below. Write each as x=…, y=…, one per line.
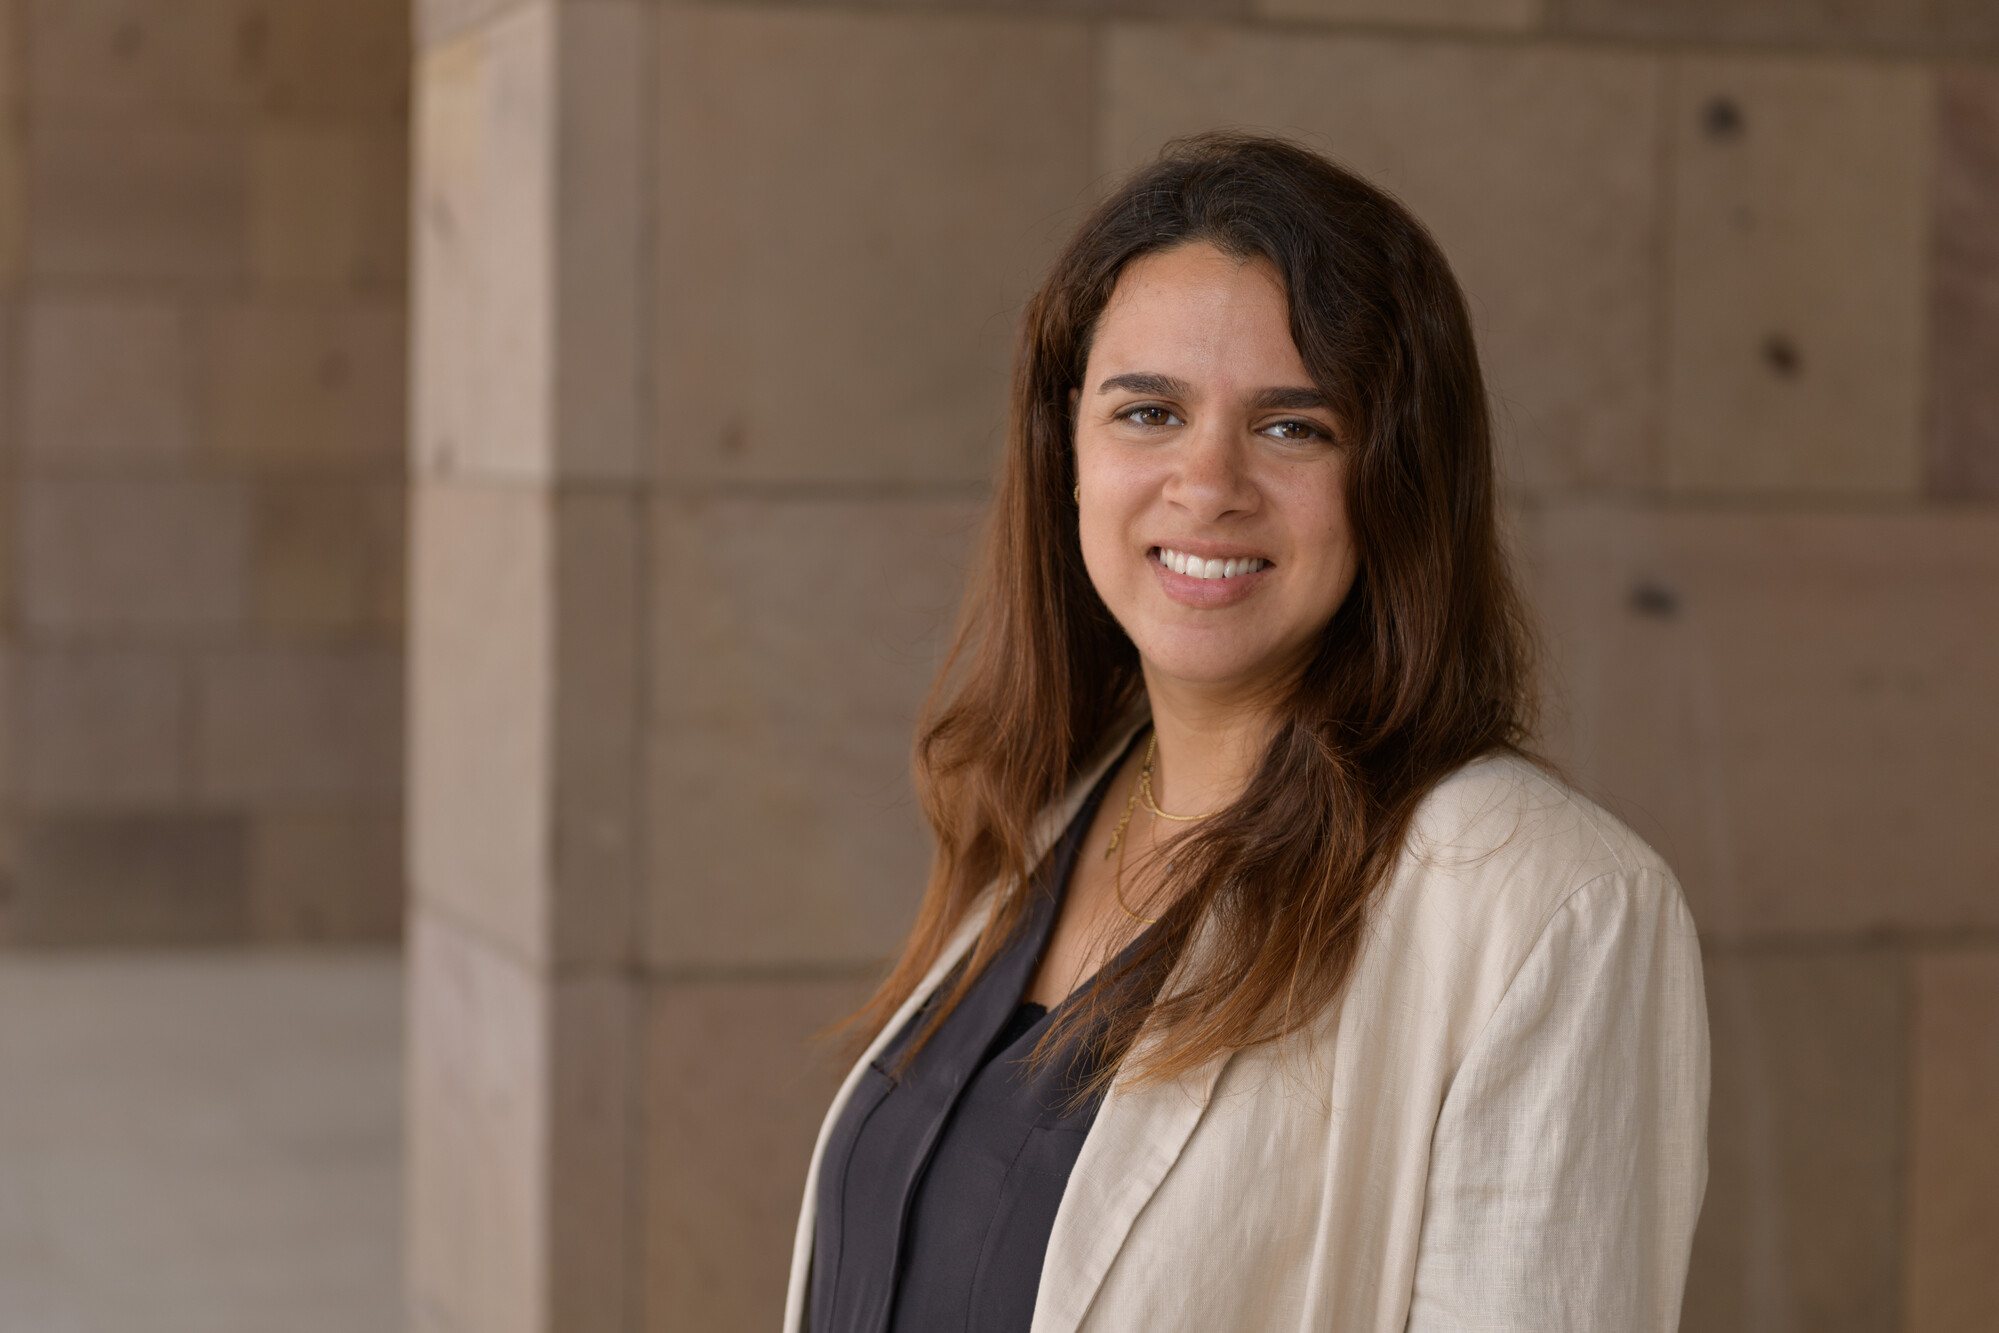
x=1194, y=567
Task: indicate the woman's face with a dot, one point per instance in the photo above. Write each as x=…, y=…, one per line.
x=1203, y=447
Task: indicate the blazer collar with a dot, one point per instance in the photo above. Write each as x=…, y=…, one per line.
x=1047, y=829
x=1138, y=1135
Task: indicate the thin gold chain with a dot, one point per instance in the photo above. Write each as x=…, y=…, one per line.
x=1145, y=790
x=1142, y=787
x=1117, y=876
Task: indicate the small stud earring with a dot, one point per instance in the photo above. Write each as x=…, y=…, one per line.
x=1077, y=494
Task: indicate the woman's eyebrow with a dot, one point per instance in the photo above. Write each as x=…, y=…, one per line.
x=1288, y=400
x=1146, y=382
x=1302, y=398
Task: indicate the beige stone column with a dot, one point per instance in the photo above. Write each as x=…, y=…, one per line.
x=523, y=693
x=714, y=310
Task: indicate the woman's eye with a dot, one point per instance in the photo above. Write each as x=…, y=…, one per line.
x=1293, y=430
x=1151, y=416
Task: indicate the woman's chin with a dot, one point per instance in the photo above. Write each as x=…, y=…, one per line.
x=1209, y=670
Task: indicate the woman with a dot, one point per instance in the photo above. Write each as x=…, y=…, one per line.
x=1262, y=983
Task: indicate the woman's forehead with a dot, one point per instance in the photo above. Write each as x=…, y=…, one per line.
x=1196, y=315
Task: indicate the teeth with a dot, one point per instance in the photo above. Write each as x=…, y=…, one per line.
x=1195, y=567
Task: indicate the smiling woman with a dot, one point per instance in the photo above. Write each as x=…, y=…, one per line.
x=1263, y=981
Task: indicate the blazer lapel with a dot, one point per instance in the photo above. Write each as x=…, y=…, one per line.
x=1138, y=1136
x=801, y=1245
x=1047, y=829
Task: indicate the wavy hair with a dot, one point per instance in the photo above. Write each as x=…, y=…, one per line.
x=1423, y=667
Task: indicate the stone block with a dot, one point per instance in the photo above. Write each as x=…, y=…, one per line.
x=530, y=245
x=9, y=544
x=1801, y=1225
x=313, y=385
x=1950, y=1284
x=117, y=555
x=526, y=730
x=146, y=200
x=194, y=54
x=598, y=724
x=99, y=726
x=1798, y=351
x=13, y=195
x=129, y=878
x=1964, y=439
x=1894, y=24
x=347, y=58
x=603, y=257
x=10, y=764
x=792, y=643
x=477, y=1157
x=440, y=21
x=1965, y=25
x=278, y=724
x=483, y=242
x=852, y=209
x=1533, y=166
x=481, y=686
x=108, y=377
x=329, y=206
x=326, y=876
x=327, y=58
x=327, y=557
x=738, y=1077
x=1471, y=15
x=519, y=1144
x=595, y=1187
x=1794, y=707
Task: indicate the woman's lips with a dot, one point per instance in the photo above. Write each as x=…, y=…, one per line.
x=1201, y=590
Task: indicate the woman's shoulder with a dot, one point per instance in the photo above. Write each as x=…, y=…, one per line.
x=1508, y=841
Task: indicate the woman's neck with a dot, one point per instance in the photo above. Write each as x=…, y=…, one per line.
x=1210, y=742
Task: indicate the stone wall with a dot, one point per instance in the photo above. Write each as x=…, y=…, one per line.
x=203, y=230
x=713, y=310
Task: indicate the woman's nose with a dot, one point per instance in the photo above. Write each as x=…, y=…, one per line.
x=1210, y=479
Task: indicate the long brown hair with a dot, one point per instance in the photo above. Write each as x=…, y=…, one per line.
x=1421, y=669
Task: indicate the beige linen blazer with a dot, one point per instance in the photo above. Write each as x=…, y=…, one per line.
x=1502, y=1125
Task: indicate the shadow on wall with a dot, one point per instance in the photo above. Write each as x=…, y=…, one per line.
x=203, y=230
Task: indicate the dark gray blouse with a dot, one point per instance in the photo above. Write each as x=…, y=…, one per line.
x=939, y=1185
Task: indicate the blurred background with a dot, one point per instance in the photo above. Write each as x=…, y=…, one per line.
x=484, y=485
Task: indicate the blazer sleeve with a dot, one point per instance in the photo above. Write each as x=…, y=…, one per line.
x=1570, y=1155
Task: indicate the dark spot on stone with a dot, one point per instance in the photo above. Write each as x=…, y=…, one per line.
x=335, y=371
x=253, y=40
x=1721, y=120
x=1781, y=355
x=128, y=41
x=1652, y=599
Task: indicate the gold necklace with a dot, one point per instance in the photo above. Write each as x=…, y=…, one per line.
x=1117, y=845
x=1145, y=790
x=1143, y=786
